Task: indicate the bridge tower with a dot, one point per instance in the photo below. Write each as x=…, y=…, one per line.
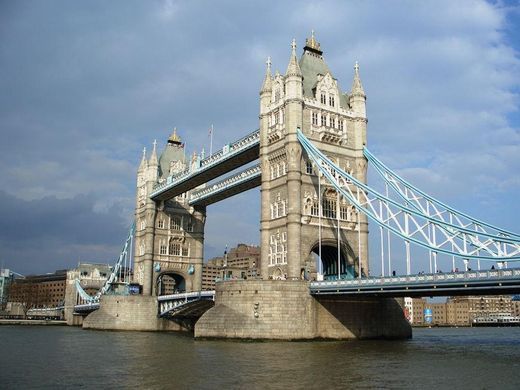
x=169, y=238
x=308, y=97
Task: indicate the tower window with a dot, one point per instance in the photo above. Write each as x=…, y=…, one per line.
x=331, y=101
x=323, y=98
x=160, y=224
x=175, y=249
x=315, y=118
x=332, y=122
x=340, y=124
x=189, y=224
x=175, y=223
x=308, y=167
x=323, y=120
x=163, y=249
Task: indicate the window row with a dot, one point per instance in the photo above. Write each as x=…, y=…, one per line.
x=177, y=222
x=276, y=117
x=329, y=209
x=331, y=100
x=279, y=209
x=278, y=169
x=327, y=120
x=174, y=249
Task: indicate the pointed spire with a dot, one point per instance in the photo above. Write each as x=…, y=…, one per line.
x=357, y=87
x=267, y=85
x=144, y=164
x=293, y=69
x=153, y=157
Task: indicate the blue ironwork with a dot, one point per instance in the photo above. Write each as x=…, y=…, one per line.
x=227, y=184
x=386, y=212
x=114, y=275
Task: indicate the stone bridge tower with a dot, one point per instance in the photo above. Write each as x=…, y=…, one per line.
x=169, y=238
x=308, y=97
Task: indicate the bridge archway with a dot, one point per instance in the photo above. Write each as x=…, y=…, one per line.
x=333, y=269
x=170, y=283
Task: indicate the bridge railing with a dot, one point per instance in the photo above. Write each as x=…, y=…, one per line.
x=510, y=273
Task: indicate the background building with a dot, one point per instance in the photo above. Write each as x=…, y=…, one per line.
x=462, y=311
x=38, y=291
x=239, y=263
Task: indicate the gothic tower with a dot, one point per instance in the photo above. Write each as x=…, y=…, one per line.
x=308, y=97
x=169, y=238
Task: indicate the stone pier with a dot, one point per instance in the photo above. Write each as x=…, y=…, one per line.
x=285, y=310
x=133, y=312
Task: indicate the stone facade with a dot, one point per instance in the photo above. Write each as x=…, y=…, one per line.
x=169, y=238
x=308, y=97
x=272, y=309
x=91, y=277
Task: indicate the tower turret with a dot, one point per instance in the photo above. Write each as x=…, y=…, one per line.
x=267, y=87
x=357, y=96
x=144, y=163
x=152, y=172
x=293, y=76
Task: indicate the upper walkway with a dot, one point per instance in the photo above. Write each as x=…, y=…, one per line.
x=230, y=157
x=492, y=282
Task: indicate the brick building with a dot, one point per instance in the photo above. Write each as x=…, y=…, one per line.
x=36, y=291
x=239, y=263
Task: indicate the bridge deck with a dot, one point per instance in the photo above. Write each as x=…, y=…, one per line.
x=493, y=282
x=228, y=159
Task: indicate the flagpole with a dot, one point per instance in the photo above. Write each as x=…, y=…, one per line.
x=211, y=142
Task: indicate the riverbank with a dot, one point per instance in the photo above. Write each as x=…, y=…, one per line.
x=32, y=322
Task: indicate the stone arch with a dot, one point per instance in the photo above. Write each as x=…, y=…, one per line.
x=170, y=282
x=329, y=259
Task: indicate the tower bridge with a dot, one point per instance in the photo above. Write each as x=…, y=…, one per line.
x=315, y=208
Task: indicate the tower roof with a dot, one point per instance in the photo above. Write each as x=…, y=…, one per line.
x=174, y=151
x=312, y=64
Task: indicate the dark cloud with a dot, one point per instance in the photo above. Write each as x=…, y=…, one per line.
x=85, y=85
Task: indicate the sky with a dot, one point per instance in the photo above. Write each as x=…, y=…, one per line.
x=84, y=86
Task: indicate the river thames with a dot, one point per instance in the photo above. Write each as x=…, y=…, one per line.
x=438, y=358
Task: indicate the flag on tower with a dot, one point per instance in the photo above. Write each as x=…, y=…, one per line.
x=210, y=135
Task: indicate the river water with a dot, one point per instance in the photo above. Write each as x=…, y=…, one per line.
x=438, y=358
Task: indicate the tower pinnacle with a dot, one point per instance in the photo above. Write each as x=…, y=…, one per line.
x=174, y=138
x=293, y=69
x=357, y=87
x=153, y=158
x=267, y=84
x=312, y=45
x=144, y=163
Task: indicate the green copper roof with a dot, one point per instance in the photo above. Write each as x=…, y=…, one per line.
x=172, y=152
x=312, y=64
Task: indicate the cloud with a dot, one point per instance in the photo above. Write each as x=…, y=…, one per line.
x=87, y=86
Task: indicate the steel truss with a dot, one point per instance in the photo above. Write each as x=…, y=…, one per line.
x=124, y=261
x=416, y=217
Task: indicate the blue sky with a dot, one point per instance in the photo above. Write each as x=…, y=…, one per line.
x=85, y=85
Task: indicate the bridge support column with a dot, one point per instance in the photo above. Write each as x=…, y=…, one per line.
x=197, y=256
